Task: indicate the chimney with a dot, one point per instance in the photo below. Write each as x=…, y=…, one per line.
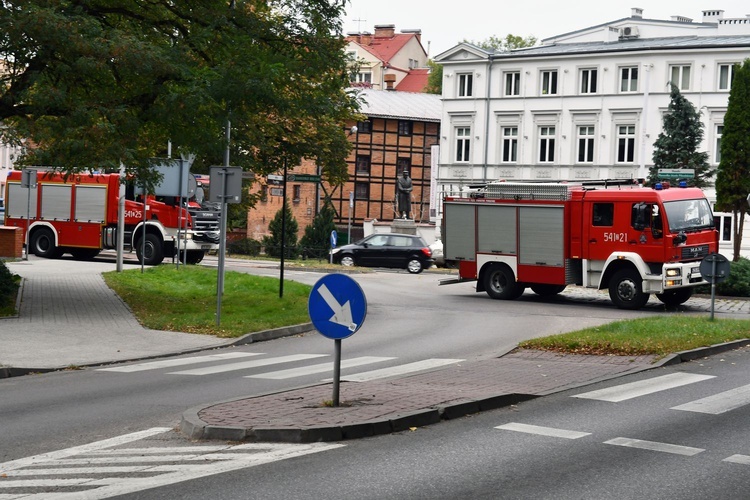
x=385, y=30
x=389, y=80
x=636, y=13
x=416, y=32
x=365, y=38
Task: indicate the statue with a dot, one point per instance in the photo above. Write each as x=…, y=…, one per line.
x=403, y=192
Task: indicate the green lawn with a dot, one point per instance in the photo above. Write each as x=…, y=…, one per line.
x=184, y=300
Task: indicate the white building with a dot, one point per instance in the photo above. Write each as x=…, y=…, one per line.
x=587, y=104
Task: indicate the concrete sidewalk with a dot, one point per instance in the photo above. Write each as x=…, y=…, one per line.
x=68, y=317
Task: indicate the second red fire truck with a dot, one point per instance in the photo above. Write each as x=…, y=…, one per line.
x=78, y=214
x=630, y=240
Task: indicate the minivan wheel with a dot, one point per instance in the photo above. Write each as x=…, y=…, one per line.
x=414, y=266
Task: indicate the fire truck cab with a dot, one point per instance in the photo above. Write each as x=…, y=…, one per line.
x=633, y=241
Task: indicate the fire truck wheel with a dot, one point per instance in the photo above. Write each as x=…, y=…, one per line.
x=194, y=256
x=675, y=297
x=43, y=244
x=414, y=266
x=625, y=289
x=154, y=254
x=547, y=290
x=500, y=283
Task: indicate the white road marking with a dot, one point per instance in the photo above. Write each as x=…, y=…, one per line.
x=738, y=459
x=320, y=368
x=398, y=370
x=719, y=403
x=643, y=387
x=192, y=462
x=168, y=363
x=543, y=431
x=655, y=446
x=244, y=365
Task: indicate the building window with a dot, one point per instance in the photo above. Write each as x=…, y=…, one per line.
x=588, y=81
x=297, y=193
x=361, y=190
x=719, y=133
x=364, y=127
x=629, y=79
x=363, y=165
x=404, y=127
x=403, y=164
x=361, y=77
x=546, y=144
x=726, y=75
x=723, y=224
x=625, y=143
x=465, y=84
x=586, y=144
x=463, y=144
x=679, y=75
x=513, y=83
x=549, y=82
x=264, y=193
x=510, y=144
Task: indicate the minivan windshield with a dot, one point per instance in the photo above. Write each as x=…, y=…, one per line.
x=689, y=215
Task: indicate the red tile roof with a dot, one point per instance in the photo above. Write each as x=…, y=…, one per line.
x=383, y=47
x=415, y=81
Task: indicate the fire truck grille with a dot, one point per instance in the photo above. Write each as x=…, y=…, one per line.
x=696, y=252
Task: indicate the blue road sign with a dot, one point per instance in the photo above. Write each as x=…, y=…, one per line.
x=337, y=306
x=334, y=238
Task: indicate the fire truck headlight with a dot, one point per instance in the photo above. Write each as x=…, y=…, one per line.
x=188, y=236
x=674, y=282
x=674, y=272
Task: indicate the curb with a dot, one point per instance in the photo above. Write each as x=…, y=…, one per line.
x=287, y=331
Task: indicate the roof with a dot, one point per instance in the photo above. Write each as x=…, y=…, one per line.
x=398, y=105
x=636, y=44
x=414, y=81
x=629, y=19
x=384, y=48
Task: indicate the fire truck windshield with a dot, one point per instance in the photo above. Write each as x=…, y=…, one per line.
x=689, y=215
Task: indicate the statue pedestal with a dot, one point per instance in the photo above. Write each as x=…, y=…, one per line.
x=404, y=226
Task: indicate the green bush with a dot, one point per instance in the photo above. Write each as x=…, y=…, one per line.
x=245, y=246
x=737, y=284
x=9, y=283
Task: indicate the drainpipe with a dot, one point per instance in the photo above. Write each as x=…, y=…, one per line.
x=487, y=117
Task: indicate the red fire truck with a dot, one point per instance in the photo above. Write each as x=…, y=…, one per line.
x=78, y=215
x=631, y=240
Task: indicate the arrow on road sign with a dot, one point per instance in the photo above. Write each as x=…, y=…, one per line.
x=342, y=314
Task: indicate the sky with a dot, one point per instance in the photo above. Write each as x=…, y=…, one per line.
x=445, y=23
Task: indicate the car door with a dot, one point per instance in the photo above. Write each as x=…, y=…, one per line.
x=373, y=251
x=400, y=248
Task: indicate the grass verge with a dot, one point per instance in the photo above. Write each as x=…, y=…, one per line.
x=184, y=300
x=661, y=336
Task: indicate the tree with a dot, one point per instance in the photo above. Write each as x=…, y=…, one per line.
x=273, y=242
x=92, y=83
x=733, y=177
x=510, y=42
x=434, y=78
x=493, y=43
x=317, y=236
x=678, y=142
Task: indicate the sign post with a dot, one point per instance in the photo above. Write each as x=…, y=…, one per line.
x=337, y=308
x=716, y=267
x=334, y=238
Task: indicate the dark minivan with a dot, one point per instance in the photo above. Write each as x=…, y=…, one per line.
x=403, y=251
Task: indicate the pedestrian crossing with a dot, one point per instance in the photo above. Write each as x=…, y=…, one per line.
x=715, y=404
x=212, y=364
x=117, y=466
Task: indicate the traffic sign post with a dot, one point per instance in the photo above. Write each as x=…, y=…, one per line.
x=715, y=267
x=337, y=308
x=334, y=238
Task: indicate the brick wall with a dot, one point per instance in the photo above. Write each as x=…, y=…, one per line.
x=11, y=242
